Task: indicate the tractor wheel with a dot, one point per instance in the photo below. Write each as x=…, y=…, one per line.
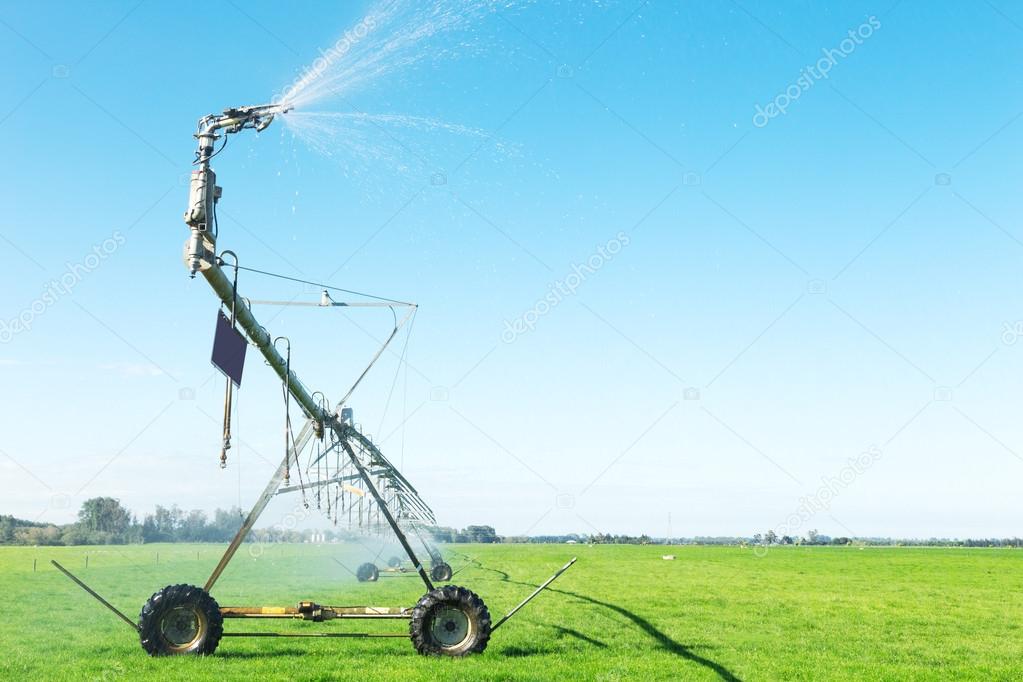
x=180, y=619
x=450, y=621
x=394, y=562
x=441, y=572
x=367, y=573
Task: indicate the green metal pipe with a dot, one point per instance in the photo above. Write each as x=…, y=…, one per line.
x=259, y=336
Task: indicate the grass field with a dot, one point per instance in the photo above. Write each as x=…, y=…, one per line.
x=620, y=613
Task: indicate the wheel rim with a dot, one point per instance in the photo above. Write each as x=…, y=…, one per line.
x=182, y=627
x=450, y=627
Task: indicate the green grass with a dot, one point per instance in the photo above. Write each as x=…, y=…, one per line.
x=620, y=613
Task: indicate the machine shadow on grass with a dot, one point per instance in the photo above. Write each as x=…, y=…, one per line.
x=663, y=640
x=562, y=632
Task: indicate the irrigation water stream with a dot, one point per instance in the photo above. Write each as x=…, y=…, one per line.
x=391, y=38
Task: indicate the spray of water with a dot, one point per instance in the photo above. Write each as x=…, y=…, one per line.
x=362, y=141
x=330, y=125
x=391, y=37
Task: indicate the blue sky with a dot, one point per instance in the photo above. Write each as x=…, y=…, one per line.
x=840, y=280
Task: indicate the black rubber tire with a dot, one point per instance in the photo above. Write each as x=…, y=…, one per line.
x=367, y=573
x=441, y=572
x=209, y=629
x=450, y=597
x=394, y=562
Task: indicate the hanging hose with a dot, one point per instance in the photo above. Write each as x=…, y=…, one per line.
x=317, y=452
x=238, y=467
x=288, y=439
x=318, y=449
x=226, y=443
x=229, y=386
x=290, y=445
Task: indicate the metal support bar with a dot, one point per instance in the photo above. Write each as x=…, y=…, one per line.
x=316, y=634
x=435, y=555
x=257, y=509
x=298, y=616
x=133, y=625
x=332, y=304
x=317, y=484
x=535, y=592
x=411, y=311
x=316, y=612
x=339, y=429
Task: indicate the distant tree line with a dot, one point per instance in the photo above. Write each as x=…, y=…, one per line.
x=544, y=539
x=941, y=542
x=813, y=537
x=482, y=534
x=607, y=539
x=104, y=521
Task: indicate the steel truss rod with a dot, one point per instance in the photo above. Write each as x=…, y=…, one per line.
x=318, y=484
x=341, y=430
x=315, y=612
x=264, y=499
x=430, y=549
x=332, y=304
x=323, y=455
x=316, y=634
x=405, y=492
x=394, y=332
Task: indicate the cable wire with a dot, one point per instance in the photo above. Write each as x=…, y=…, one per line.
x=327, y=286
x=397, y=372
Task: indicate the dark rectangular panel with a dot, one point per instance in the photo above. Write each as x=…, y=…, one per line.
x=229, y=349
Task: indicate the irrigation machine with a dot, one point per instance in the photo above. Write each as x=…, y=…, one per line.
x=330, y=462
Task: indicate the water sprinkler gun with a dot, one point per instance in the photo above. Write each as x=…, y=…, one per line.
x=201, y=216
x=236, y=118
